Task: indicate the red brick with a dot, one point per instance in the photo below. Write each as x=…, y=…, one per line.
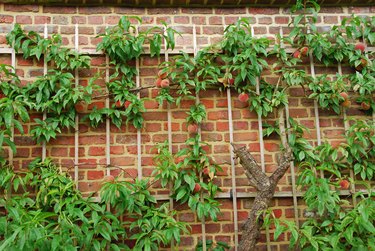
x=271, y=147
x=281, y=20
x=242, y=215
x=96, y=151
x=95, y=20
x=123, y=161
x=42, y=20
x=199, y=20
x=212, y=228
x=94, y=10
x=59, y=10
x=216, y=20
x=21, y=8
x=277, y=212
x=59, y=152
x=264, y=11
x=197, y=10
x=181, y=19
x=95, y=175
x=7, y=19
x=78, y=20
x=22, y=153
x=264, y=20
x=23, y=19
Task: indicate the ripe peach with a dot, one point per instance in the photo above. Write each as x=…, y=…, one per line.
x=127, y=103
x=231, y=81
x=179, y=159
x=365, y=106
x=360, y=46
x=193, y=128
x=243, y=97
x=80, y=107
x=346, y=103
x=162, y=74
x=297, y=54
x=109, y=178
x=158, y=82
x=344, y=184
x=206, y=171
x=344, y=95
x=304, y=51
x=197, y=188
x=118, y=103
x=164, y=83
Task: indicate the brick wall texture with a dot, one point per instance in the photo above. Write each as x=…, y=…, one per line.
x=209, y=23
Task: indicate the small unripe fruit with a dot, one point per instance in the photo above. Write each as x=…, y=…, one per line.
x=297, y=54
x=158, y=82
x=109, y=178
x=162, y=74
x=127, y=103
x=344, y=184
x=365, y=106
x=193, y=128
x=243, y=97
x=346, y=103
x=197, y=188
x=304, y=51
x=164, y=83
x=344, y=95
x=360, y=46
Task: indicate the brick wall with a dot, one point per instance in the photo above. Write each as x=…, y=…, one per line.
x=209, y=24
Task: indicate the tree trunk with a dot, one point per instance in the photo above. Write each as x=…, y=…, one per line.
x=265, y=187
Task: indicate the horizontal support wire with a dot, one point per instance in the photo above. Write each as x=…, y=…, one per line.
x=93, y=51
x=250, y=195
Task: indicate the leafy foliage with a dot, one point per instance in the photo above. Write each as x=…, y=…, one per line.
x=55, y=216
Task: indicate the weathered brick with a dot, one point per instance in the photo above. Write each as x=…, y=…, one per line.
x=7, y=19
x=23, y=19
x=59, y=10
x=21, y=8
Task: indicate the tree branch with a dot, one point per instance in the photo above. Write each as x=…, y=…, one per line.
x=252, y=170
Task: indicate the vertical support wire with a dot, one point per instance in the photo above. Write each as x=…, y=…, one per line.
x=233, y=167
x=261, y=144
x=260, y=123
x=11, y=153
x=107, y=122
x=292, y=167
x=316, y=108
x=346, y=128
x=45, y=70
x=139, y=139
x=169, y=125
x=197, y=101
x=76, y=119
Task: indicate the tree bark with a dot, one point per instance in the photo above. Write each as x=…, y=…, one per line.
x=265, y=187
